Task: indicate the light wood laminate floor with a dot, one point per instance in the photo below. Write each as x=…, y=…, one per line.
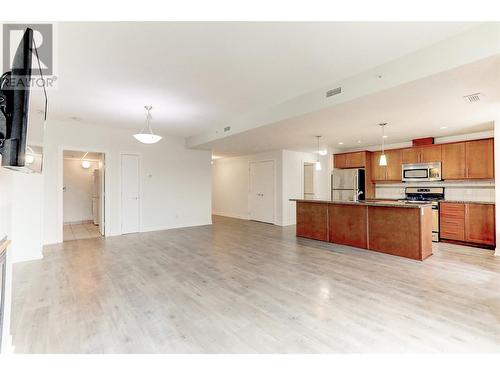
x=83, y=231
x=243, y=287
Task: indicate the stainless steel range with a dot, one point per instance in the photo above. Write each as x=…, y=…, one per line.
x=428, y=195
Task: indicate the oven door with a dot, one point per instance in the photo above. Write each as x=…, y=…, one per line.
x=415, y=174
x=435, y=223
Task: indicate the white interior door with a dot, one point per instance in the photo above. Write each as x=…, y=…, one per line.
x=130, y=193
x=102, y=194
x=261, y=191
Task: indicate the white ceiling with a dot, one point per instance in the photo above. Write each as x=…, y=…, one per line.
x=200, y=75
x=413, y=110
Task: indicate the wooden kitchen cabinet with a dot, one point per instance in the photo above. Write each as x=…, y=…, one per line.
x=453, y=165
x=480, y=223
x=392, y=172
x=350, y=160
x=430, y=154
x=410, y=155
x=340, y=161
x=312, y=220
x=467, y=222
x=479, y=159
x=424, y=154
x=468, y=160
x=393, y=169
x=452, y=221
x=347, y=224
x=378, y=172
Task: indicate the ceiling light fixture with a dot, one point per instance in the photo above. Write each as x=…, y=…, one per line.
x=341, y=143
x=149, y=137
x=85, y=163
x=443, y=127
x=318, y=163
x=383, y=158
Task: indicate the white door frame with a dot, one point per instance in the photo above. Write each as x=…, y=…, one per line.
x=140, y=189
x=274, y=186
x=60, y=185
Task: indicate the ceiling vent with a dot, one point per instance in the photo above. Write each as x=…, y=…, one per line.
x=333, y=92
x=472, y=98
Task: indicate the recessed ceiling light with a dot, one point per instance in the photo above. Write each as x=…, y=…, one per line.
x=385, y=136
x=359, y=141
x=443, y=127
x=341, y=143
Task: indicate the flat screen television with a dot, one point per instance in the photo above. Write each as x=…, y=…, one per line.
x=23, y=110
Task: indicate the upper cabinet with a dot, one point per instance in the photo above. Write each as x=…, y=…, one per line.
x=422, y=154
x=378, y=172
x=430, y=154
x=468, y=160
x=393, y=169
x=459, y=160
x=392, y=172
x=479, y=159
x=453, y=166
x=350, y=160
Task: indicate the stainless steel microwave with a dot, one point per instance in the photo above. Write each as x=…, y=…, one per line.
x=421, y=172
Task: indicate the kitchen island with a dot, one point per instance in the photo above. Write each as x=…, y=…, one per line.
x=392, y=227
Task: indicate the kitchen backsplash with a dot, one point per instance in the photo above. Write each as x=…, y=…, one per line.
x=483, y=191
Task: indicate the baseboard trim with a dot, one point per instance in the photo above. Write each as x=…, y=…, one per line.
x=153, y=229
x=38, y=257
x=78, y=222
x=234, y=216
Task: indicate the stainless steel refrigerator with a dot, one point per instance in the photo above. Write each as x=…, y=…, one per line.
x=347, y=184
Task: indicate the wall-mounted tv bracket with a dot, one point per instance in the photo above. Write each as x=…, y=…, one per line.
x=5, y=104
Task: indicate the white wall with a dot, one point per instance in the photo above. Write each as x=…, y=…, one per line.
x=79, y=188
x=6, y=231
x=293, y=181
x=20, y=221
x=230, y=184
x=175, y=181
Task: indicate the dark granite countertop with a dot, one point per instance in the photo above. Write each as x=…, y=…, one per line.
x=371, y=202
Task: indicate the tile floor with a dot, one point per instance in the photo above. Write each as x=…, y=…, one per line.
x=73, y=232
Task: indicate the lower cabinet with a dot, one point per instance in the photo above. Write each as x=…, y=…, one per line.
x=467, y=222
x=480, y=223
x=347, y=224
x=312, y=220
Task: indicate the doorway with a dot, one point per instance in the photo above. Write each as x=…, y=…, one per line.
x=83, y=195
x=308, y=180
x=261, y=191
x=130, y=197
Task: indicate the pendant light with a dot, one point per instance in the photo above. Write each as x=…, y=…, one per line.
x=317, y=165
x=383, y=158
x=147, y=137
